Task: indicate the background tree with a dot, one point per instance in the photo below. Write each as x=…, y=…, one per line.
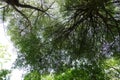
x=3, y=74
x=4, y=58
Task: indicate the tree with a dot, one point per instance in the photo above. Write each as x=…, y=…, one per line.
x=4, y=55
x=57, y=38
x=3, y=74
x=3, y=59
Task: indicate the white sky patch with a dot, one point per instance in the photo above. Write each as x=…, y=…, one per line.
x=17, y=74
x=5, y=41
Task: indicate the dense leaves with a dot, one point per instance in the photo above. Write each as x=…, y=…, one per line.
x=3, y=74
x=33, y=76
x=77, y=37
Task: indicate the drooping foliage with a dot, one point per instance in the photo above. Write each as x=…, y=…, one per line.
x=64, y=33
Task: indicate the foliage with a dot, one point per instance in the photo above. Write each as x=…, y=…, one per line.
x=101, y=70
x=4, y=55
x=33, y=76
x=86, y=71
x=48, y=77
x=83, y=35
x=112, y=68
x=4, y=58
x=3, y=74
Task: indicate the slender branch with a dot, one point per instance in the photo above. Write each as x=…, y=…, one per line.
x=17, y=4
x=21, y=13
x=30, y=7
x=29, y=22
x=105, y=22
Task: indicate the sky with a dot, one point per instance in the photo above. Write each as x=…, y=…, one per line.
x=16, y=74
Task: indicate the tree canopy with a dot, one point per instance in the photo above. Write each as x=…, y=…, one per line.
x=76, y=37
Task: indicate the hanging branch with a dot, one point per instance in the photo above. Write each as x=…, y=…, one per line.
x=18, y=4
x=90, y=10
x=15, y=4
